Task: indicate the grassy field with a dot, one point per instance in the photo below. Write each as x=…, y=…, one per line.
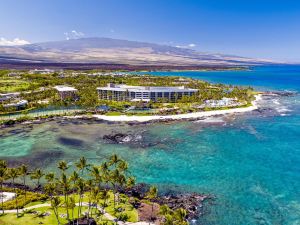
x=13, y=85
x=35, y=216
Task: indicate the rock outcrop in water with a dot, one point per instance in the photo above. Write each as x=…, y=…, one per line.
x=191, y=202
x=120, y=138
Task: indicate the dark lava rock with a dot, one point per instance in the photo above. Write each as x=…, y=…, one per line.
x=120, y=138
x=192, y=203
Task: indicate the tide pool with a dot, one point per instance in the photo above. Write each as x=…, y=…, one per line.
x=249, y=162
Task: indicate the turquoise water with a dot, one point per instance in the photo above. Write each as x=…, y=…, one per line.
x=250, y=162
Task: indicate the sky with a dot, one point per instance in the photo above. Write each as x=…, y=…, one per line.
x=267, y=29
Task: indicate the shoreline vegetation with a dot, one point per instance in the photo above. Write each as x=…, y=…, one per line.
x=105, y=193
x=27, y=95
x=116, y=117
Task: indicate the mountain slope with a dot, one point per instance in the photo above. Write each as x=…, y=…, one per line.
x=115, y=51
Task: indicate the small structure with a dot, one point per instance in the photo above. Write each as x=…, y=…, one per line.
x=7, y=196
x=41, y=71
x=143, y=93
x=231, y=102
x=18, y=105
x=66, y=92
x=8, y=96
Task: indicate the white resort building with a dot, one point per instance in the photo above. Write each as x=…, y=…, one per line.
x=66, y=92
x=143, y=93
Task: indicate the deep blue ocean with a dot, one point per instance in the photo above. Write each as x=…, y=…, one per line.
x=249, y=162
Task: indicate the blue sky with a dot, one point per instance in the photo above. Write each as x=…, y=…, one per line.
x=255, y=28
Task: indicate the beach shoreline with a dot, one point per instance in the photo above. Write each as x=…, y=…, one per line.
x=186, y=116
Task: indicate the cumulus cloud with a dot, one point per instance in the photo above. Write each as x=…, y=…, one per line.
x=74, y=34
x=191, y=45
x=16, y=41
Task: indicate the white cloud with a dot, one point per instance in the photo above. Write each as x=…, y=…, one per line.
x=74, y=34
x=16, y=41
x=192, y=45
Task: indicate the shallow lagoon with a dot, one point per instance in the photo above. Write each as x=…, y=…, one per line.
x=250, y=162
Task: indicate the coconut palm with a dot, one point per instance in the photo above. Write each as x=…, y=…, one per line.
x=74, y=177
x=24, y=173
x=80, y=185
x=50, y=189
x=130, y=182
x=114, y=178
x=89, y=185
x=72, y=206
x=65, y=187
x=95, y=173
x=152, y=195
x=122, y=166
x=113, y=160
x=3, y=176
x=13, y=174
x=50, y=177
x=180, y=215
x=82, y=164
x=105, y=196
x=63, y=166
x=55, y=203
x=37, y=175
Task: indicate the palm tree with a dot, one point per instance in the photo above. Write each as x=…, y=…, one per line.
x=74, y=177
x=50, y=177
x=113, y=160
x=63, y=166
x=24, y=173
x=180, y=215
x=82, y=164
x=130, y=182
x=50, y=189
x=72, y=206
x=95, y=173
x=55, y=203
x=152, y=195
x=37, y=175
x=96, y=197
x=89, y=185
x=3, y=176
x=13, y=174
x=80, y=184
x=105, y=197
x=114, y=178
x=122, y=166
x=105, y=172
x=65, y=186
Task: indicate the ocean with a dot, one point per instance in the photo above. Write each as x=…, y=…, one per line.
x=249, y=162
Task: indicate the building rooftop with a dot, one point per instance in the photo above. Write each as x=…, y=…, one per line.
x=62, y=88
x=112, y=87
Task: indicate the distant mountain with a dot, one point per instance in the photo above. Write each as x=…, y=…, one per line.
x=115, y=51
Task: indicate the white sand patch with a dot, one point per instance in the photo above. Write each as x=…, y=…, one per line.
x=125, y=118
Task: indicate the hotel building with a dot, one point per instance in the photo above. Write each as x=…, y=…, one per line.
x=143, y=93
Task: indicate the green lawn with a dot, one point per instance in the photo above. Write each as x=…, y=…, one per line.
x=12, y=85
x=34, y=219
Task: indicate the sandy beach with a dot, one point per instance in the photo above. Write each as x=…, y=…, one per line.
x=125, y=118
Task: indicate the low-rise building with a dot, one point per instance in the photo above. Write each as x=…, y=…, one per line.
x=66, y=92
x=143, y=93
x=224, y=102
x=18, y=105
x=9, y=96
x=41, y=71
